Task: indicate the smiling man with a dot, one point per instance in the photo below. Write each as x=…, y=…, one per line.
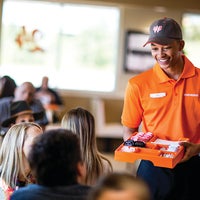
x=165, y=99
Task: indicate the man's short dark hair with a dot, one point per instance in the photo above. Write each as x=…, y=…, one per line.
x=54, y=157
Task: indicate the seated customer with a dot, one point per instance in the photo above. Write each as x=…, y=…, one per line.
x=120, y=186
x=20, y=111
x=50, y=98
x=23, y=92
x=46, y=94
x=82, y=123
x=14, y=167
x=56, y=162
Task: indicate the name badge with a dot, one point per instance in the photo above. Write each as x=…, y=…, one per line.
x=158, y=95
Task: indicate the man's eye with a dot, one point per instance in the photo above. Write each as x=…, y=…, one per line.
x=166, y=48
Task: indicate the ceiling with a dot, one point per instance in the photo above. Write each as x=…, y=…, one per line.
x=189, y=5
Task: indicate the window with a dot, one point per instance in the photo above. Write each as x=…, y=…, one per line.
x=191, y=35
x=137, y=59
x=74, y=44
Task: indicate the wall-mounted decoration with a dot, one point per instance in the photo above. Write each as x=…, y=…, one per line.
x=29, y=40
x=137, y=58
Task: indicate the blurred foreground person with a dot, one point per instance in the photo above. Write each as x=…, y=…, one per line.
x=119, y=186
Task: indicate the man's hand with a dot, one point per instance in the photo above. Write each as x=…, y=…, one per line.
x=191, y=150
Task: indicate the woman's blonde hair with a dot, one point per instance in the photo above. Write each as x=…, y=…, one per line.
x=11, y=153
x=82, y=123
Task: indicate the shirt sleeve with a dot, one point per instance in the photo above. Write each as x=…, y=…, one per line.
x=132, y=109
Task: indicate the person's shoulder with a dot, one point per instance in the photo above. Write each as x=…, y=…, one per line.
x=35, y=191
x=6, y=100
x=27, y=192
x=51, y=90
x=191, y=66
x=36, y=103
x=37, y=89
x=37, y=106
x=197, y=70
x=80, y=187
x=76, y=192
x=197, y=73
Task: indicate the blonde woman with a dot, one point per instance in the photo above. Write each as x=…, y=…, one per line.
x=82, y=123
x=14, y=168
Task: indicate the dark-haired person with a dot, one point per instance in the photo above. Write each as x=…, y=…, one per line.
x=56, y=162
x=166, y=100
x=7, y=86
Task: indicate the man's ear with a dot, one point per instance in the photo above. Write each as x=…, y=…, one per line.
x=182, y=44
x=81, y=169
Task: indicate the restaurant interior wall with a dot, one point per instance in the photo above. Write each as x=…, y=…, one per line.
x=135, y=15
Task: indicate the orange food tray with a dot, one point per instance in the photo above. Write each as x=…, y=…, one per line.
x=158, y=154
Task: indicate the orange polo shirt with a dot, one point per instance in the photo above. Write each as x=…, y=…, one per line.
x=169, y=109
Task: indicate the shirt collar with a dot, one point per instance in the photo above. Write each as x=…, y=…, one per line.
x=188, y=71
